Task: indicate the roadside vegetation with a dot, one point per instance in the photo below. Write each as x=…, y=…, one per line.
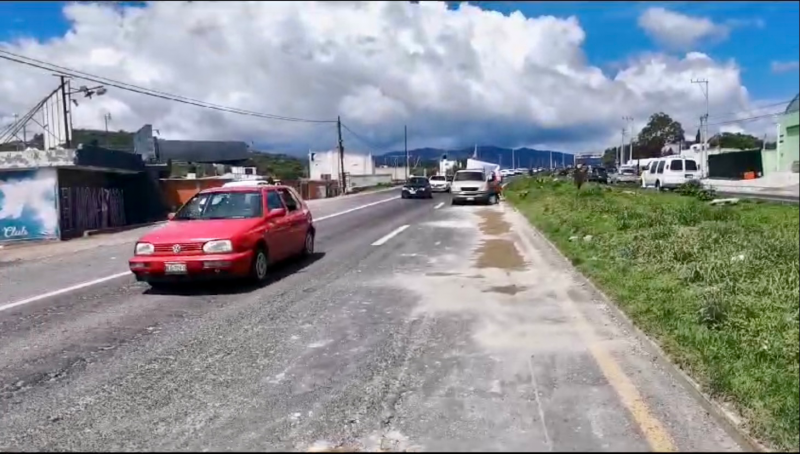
x=716, y=286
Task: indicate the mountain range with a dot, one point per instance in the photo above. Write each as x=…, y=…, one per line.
x=524, y=157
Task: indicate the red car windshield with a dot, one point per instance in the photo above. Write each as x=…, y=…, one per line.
x=222, y=205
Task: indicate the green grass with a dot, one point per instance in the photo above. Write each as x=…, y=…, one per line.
x=716, y=286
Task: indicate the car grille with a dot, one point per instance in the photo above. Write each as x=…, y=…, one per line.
x=186, y=248
x=465, y=188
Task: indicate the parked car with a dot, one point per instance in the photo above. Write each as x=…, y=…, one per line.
x=439, y=183
x=474, y=186
x=670, y=172
x=226, y=232
x=417, y=188
x=598, y=175
x=625, y=175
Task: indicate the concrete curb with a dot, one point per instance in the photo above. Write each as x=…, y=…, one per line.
x=94, y=232
x=730, y=422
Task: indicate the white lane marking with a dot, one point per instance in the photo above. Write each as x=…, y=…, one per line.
x=33, y=299
x=391, y=235
x=63, y=290
x=360, y=207
x=441, y=204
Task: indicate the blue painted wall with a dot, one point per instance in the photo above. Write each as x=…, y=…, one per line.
x=28, y=207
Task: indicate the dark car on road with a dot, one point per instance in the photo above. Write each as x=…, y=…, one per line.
x=598, y=175
x=417, y=188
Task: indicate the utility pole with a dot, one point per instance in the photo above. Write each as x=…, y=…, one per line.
x=629, y=120
x=621, y=150
x=16, y=120
x=405, y=145
x=551, y=159
x=513, y=160
x=64, y=102
x=107, y=117
x=341, y=156
x=703, y=84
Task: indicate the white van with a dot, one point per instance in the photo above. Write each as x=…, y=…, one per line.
x=670, y=172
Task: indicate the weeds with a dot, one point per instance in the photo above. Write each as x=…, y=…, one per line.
x=717, y=286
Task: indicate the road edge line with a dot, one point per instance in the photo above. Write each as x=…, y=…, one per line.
x=71, y=288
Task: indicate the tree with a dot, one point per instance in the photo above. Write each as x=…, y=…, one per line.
x=660, y=130
x=737, y=140
x=610, y=156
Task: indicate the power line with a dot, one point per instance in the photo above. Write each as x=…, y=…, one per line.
x=10, y=56
x=360, y=138
x=742, y=120
x=754, y=108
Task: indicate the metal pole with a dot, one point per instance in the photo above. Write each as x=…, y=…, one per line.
x=341, y=156
x=405, y=146
x=67, y=139
x=106, y=117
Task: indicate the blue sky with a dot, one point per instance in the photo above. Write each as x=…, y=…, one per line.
x=612, y=33
x=754, y=34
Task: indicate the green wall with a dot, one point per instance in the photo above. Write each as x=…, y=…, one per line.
x=788, y=145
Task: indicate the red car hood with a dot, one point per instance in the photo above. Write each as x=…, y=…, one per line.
x=198, y=231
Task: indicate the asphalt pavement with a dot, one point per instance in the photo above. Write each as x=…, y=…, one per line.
x=417, y=326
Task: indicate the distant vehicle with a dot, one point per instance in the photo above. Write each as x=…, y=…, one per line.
x=598, y=175
x=474, y=186
x=669, y=173
x=417, y=188
x=439, y=183
x=226, y=232
x=624, y=175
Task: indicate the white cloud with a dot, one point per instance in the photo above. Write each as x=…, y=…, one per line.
x=784, y=66
x=454, y=77
x=679, y=31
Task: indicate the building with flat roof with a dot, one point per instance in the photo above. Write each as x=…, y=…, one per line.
x=786, y=155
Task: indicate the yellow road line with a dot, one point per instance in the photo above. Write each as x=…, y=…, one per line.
x=653, y=430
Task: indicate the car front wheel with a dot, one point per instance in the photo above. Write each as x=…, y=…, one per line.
x=260, y=266
x=308, y=244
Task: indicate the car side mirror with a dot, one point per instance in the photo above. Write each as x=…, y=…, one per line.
x=276, y=213
x=170, y=216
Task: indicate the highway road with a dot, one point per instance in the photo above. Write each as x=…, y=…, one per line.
x=418, y=326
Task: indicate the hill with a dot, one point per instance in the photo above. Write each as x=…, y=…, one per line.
x=524, y=157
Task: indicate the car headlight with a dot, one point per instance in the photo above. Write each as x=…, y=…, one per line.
x=218, y=247
x=144, y=249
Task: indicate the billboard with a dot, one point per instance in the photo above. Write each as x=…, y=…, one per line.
x=28, y=207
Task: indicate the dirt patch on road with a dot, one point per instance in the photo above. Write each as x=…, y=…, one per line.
x=501, y=254
x=492, y=223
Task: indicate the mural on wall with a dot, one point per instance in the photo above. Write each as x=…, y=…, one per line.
x=91, y=208
x=28, y=207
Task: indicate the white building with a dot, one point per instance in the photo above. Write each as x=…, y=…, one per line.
x=325, y=165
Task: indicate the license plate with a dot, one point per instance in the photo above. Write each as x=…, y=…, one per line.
x=470, y=199
x=690, y=177
x=175, y=268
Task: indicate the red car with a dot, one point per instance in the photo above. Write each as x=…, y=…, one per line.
x=226, y=232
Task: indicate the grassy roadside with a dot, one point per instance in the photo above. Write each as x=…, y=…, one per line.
x=716, y=286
